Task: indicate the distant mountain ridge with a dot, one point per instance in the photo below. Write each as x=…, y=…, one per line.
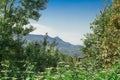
x=64, y=47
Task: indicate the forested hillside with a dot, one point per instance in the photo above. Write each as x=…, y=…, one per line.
x=62, y=46
x=24, y=60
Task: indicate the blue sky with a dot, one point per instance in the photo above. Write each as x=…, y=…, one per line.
x=68, y=19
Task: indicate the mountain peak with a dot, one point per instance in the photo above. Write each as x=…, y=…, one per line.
x=64, y=47
x=57, y=38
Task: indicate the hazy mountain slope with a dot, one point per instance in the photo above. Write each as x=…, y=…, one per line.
x=65, y=47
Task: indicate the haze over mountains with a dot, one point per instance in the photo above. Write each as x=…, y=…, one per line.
x=64, y=47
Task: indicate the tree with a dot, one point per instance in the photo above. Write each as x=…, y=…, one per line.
x=14, y=16
x=111, y=39
x=103, y=44
x=93, y=41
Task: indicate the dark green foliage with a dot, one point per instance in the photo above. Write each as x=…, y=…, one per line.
x=30, y=59
x=14, y=15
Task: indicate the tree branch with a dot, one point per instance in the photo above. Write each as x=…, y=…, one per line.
x=5, y=9
x=11, y=5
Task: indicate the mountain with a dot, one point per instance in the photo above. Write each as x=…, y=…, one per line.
x=64, y=47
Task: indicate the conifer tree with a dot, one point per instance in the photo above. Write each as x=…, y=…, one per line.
x=14, y=16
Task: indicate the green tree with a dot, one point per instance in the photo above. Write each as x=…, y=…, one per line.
x=103, y=44
x=14, y=16
x=93, y=41
x=111, y=39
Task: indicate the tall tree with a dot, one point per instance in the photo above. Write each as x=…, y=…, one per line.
x=111, y=39
x=14, y=16
x=103, y=44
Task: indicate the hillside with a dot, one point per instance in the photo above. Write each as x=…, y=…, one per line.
x=64, y=47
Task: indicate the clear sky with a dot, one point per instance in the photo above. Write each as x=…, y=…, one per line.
x=68, y=19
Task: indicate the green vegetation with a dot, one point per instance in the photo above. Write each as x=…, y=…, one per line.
x=103, y=45
x=22, y=60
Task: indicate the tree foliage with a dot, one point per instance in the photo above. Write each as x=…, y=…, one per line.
x=23, y=60
x=14, y=16
x=104, y=43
